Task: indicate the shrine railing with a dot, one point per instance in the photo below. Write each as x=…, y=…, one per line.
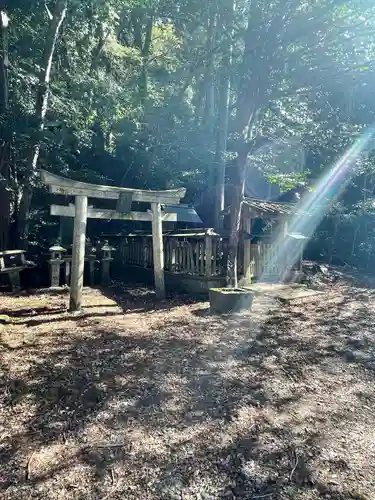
x=201, y=252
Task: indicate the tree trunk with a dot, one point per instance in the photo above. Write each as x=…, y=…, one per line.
x=198, y=100
x=223, y=116
x=209, y=99
x=40, y=114
x=209, y=114
x=245, y=123
x=143, y=18
x=5, y=136
x=248, y=106
x=145, y=57
x=235, y=214
x=221, y=145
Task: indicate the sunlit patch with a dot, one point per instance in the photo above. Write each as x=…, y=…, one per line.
x=313, y=206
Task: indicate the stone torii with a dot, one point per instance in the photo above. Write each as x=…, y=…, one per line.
x=124, y=196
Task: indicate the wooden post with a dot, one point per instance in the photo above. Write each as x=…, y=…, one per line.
x=78, y=253
x=145, y=251
x=284, y=264
x=284, y=227
x=247, y=247
x=67, y=271
x=157, y=244
x=172, y=266
x=214, y=256
x=301, y=258
x=260, y=265
x=191, y=258
x=208, y=245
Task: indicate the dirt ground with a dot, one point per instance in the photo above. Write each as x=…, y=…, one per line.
x=138, y=400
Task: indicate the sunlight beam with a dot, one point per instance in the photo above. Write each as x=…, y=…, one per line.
x=313, y=206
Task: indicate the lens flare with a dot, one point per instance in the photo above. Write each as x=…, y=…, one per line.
x=311, y=209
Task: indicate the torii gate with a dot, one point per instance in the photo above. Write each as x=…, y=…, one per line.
x=124, y=196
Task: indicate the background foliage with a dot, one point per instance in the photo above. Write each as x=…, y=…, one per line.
x=161, y=93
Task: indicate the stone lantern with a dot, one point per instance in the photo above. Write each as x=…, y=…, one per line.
x=56, y=259
x=106, y=262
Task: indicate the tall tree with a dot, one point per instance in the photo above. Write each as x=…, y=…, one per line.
x=290, y=51
x=224, y=83
x=41, y=105
x=5, y=147
x=157, y=93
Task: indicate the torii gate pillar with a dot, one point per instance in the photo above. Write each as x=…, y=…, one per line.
x=78, y=253
x=158, y=250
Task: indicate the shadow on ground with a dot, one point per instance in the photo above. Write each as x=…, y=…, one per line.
x=168, y=403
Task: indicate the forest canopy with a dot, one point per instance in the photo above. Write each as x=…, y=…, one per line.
x=160, y=94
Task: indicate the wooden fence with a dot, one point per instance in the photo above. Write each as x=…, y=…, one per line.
x=195, y=253
x=202, y=253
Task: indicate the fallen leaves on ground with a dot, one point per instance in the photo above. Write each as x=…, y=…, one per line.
x=142, y=400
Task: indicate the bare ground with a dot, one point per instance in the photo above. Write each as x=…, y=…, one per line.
x=141, y=401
